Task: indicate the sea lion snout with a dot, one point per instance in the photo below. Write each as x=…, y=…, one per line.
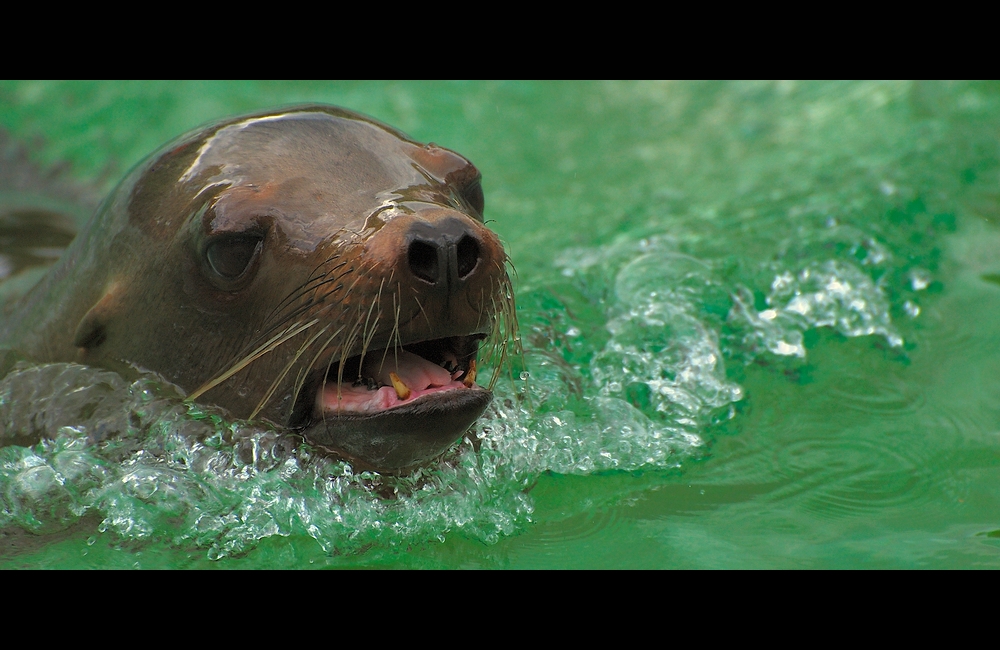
x=440, y=253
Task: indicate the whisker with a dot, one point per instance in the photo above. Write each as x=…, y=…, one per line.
x=394, y=334
x=360, y=275
x=288, y=366
x=328, y=366
x=271, y=324
x=307, y=286
x=270, y=345
x=302, y=308
x=344, y=351
x=426, y=318
x=366, y=337
x=305, y=369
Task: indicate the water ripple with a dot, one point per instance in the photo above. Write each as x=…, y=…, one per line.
x=837, y=477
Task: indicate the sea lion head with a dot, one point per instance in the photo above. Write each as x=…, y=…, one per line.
x=309, y=266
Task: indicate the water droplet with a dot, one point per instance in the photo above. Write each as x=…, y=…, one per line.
x=919, y=279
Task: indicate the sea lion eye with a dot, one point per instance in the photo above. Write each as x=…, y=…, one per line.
x=473, y=195
x=230, y=256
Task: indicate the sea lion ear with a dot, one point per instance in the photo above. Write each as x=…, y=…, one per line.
x=91, y=332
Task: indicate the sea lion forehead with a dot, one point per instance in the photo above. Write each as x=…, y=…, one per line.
x=326, y=144
x=319, y=171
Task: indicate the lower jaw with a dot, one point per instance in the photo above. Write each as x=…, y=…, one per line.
x=395, y=432
x=401, y=438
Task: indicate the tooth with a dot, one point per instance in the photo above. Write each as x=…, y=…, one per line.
x=402, y=390
x=470, y=375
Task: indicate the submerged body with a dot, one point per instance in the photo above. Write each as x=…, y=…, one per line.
x=308, y=266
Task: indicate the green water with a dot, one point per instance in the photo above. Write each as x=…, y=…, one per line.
x=759, y=321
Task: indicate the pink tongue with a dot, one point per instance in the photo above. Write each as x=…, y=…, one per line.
x=415, y=371
x=420, y=375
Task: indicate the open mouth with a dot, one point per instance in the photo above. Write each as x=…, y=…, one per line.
x=395, y=408
x=390, y=378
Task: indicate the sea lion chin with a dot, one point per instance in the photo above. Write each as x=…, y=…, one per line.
x=308, y=266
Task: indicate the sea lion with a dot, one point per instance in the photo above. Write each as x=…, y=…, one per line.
x=309, y=266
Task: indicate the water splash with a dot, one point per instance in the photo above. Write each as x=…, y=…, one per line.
x=636, y=396
x=830, y=293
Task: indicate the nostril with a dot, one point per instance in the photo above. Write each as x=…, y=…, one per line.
x=468, y=256
x=423, y=258
x=445, y=252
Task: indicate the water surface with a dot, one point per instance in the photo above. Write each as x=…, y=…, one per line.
x=759, y=323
